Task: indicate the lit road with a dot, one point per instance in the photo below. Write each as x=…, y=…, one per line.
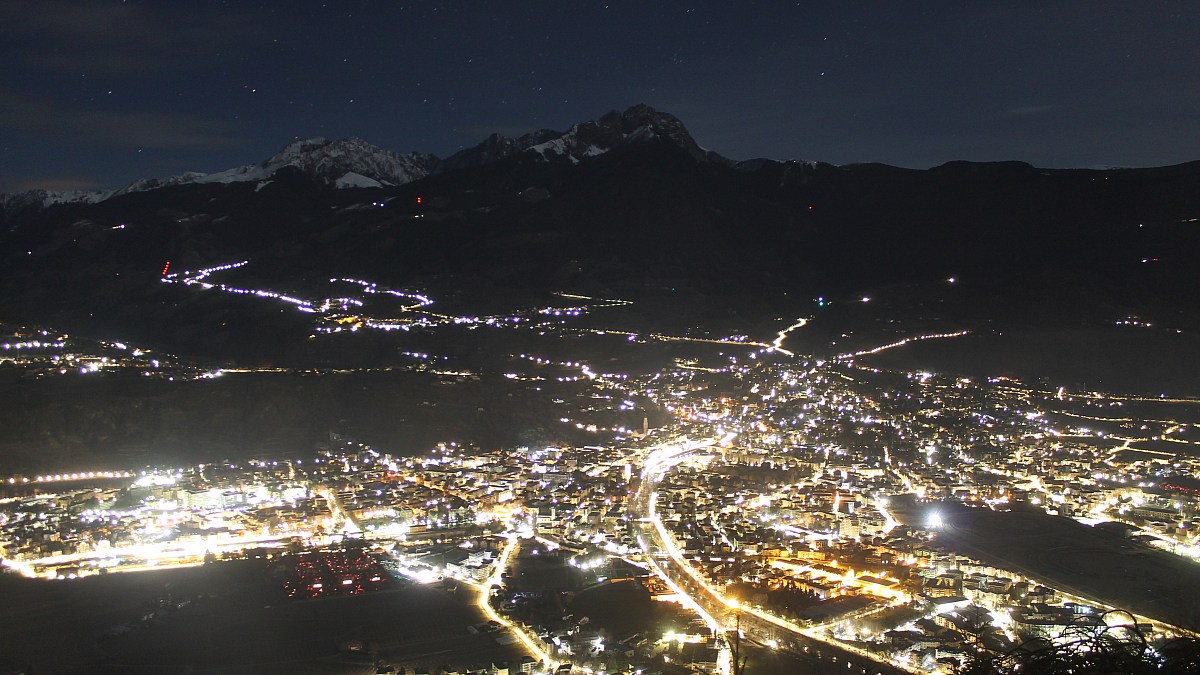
x=531, y=642
x=777, y=343
x=718, y=611
x=656, y=543
x=901, y=343
x=338, y=512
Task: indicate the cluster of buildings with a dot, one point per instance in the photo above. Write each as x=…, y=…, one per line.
x=31, y=352
x=789, y=508
x=88, y=526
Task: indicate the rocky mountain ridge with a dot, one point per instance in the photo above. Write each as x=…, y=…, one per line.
x=625, y=206
x=355, y=163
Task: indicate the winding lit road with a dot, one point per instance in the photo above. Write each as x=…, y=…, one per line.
x=721, y=613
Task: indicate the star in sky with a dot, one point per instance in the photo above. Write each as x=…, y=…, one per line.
x=90, y=82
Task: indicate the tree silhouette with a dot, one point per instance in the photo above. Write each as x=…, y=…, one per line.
x=1091, y=648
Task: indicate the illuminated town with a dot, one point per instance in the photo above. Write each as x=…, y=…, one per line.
x=705, y=338
x=827, y=508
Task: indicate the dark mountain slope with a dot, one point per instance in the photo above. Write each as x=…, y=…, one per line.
x=641, y=217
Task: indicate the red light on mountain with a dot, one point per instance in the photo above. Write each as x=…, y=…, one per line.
x=166, y=267
x=418, y=200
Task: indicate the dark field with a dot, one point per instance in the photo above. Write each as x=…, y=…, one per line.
x=622, y=608
x=94, y=625
x=1110, y=359
x=128, y=422
x=1072, y=557
x=818, y=660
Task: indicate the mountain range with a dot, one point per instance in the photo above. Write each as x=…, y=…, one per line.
x=628, y=203
x=355, y=163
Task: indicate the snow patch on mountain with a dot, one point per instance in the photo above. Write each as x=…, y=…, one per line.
x=347, y=162
x=353, y=163
x=638, y=124
x=356, y=180
x=344, y=163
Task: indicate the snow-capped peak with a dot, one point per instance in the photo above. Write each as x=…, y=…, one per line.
x=347, y=162
x=354, y=163
x=639, y=123
x=332, y=161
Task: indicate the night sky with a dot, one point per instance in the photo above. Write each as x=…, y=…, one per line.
x=98, y=93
